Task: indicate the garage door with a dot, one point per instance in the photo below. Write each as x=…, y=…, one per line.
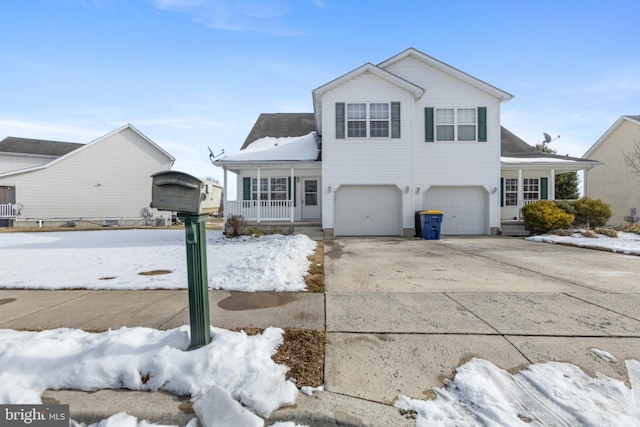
x=368, y=210
x=465, y=209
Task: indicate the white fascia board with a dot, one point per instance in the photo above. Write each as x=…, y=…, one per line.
x=448, y=69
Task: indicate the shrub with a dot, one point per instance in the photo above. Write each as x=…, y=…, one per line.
x=631, y=228
x=543, y=216
x=610, y=232
x=566, y=205
x=591, y=212
x=256, y=231
x=234, y=226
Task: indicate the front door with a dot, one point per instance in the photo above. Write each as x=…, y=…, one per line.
x=311, y=198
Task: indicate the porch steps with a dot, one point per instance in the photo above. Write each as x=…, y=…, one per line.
x=314, y=232
x=514, y=229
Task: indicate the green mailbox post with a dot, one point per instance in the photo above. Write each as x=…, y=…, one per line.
x=184, y=194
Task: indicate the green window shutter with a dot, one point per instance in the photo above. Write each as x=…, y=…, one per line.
x=544, y=188
x=395, y=120
x=482, y=124
x=501, y=192
x=340, y=118
x=246, y=188
x=428, y=124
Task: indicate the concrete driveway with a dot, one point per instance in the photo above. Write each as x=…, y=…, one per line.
x=401, y=315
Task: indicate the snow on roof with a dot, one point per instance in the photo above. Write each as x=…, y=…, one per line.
x=534, y=160
x=298, y=148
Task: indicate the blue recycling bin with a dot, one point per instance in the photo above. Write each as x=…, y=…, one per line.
x=431, y=222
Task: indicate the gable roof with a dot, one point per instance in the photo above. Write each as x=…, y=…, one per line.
x=278, y=125
x=415, y=90
x=616, y=125
x=40, y=147
x=85, y=146
x=448, y=69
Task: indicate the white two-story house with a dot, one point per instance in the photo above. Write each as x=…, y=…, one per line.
x=384, y=142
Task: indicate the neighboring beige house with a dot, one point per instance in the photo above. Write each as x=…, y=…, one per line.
x=614, y=182
x=102, y=183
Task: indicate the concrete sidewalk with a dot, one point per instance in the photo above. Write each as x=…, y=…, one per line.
x=399, y=315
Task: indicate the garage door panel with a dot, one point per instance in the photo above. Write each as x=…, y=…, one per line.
x=465, y=209
x=363, y=210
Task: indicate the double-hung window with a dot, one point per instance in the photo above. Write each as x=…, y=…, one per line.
x=456, y=124
x=511, y=192
x=531, y=189
x=357, y=120
x=368, y=120
x=270, y=189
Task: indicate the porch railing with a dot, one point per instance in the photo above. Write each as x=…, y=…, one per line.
x=260, y=210
x=7, y=211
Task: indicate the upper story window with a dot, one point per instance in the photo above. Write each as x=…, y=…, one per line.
x=368, y=120
x=456, y=124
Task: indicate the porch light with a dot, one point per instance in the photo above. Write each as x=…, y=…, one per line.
x=417, y=190
x=329, y=189
x=494, y=190
x=406, y=190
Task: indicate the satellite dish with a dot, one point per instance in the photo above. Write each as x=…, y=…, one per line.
x=547, y=137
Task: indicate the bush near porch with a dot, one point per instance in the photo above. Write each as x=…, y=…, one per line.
x=544, y=215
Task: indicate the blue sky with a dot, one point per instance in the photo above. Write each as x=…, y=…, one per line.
x=196, y=73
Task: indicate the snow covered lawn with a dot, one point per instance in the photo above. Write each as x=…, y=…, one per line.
x=625, y=243
x=114, y=259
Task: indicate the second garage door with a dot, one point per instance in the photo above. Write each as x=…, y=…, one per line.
x=368, y=210
x=465, y=209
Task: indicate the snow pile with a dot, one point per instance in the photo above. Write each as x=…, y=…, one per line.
x=625, y=243
x=113, y=259
x=547, y=394
x=234, y=374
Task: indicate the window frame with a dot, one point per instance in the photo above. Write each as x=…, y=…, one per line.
x=511, y=192
x=454, y=125
x=371, y=119
x=270, y=188
x=530, y=189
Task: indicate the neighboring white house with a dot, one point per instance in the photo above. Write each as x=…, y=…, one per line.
x=384, y=142
x=104, y=182
x=615, y=183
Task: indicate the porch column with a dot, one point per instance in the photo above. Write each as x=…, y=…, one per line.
x=552, y=185
x=584, y=182
x=520, y=194
x=293, y=194
x=225, y=197
x=259, y=201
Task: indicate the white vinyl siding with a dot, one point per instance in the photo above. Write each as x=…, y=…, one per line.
x=108, y=178
x=409, y=163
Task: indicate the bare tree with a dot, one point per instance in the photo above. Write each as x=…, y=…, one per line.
x=632, y=158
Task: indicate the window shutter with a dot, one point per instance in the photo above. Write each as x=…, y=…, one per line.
x=428, y=124
x=339, y=120
x=482, y=124
x=395, y=120
x=544, y=189
x=292, y=195
x=501, y=192
x=246, y=188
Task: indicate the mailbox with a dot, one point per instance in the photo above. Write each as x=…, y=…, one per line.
x=180, y=192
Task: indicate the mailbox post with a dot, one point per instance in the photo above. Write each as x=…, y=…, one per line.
x=182, y=193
